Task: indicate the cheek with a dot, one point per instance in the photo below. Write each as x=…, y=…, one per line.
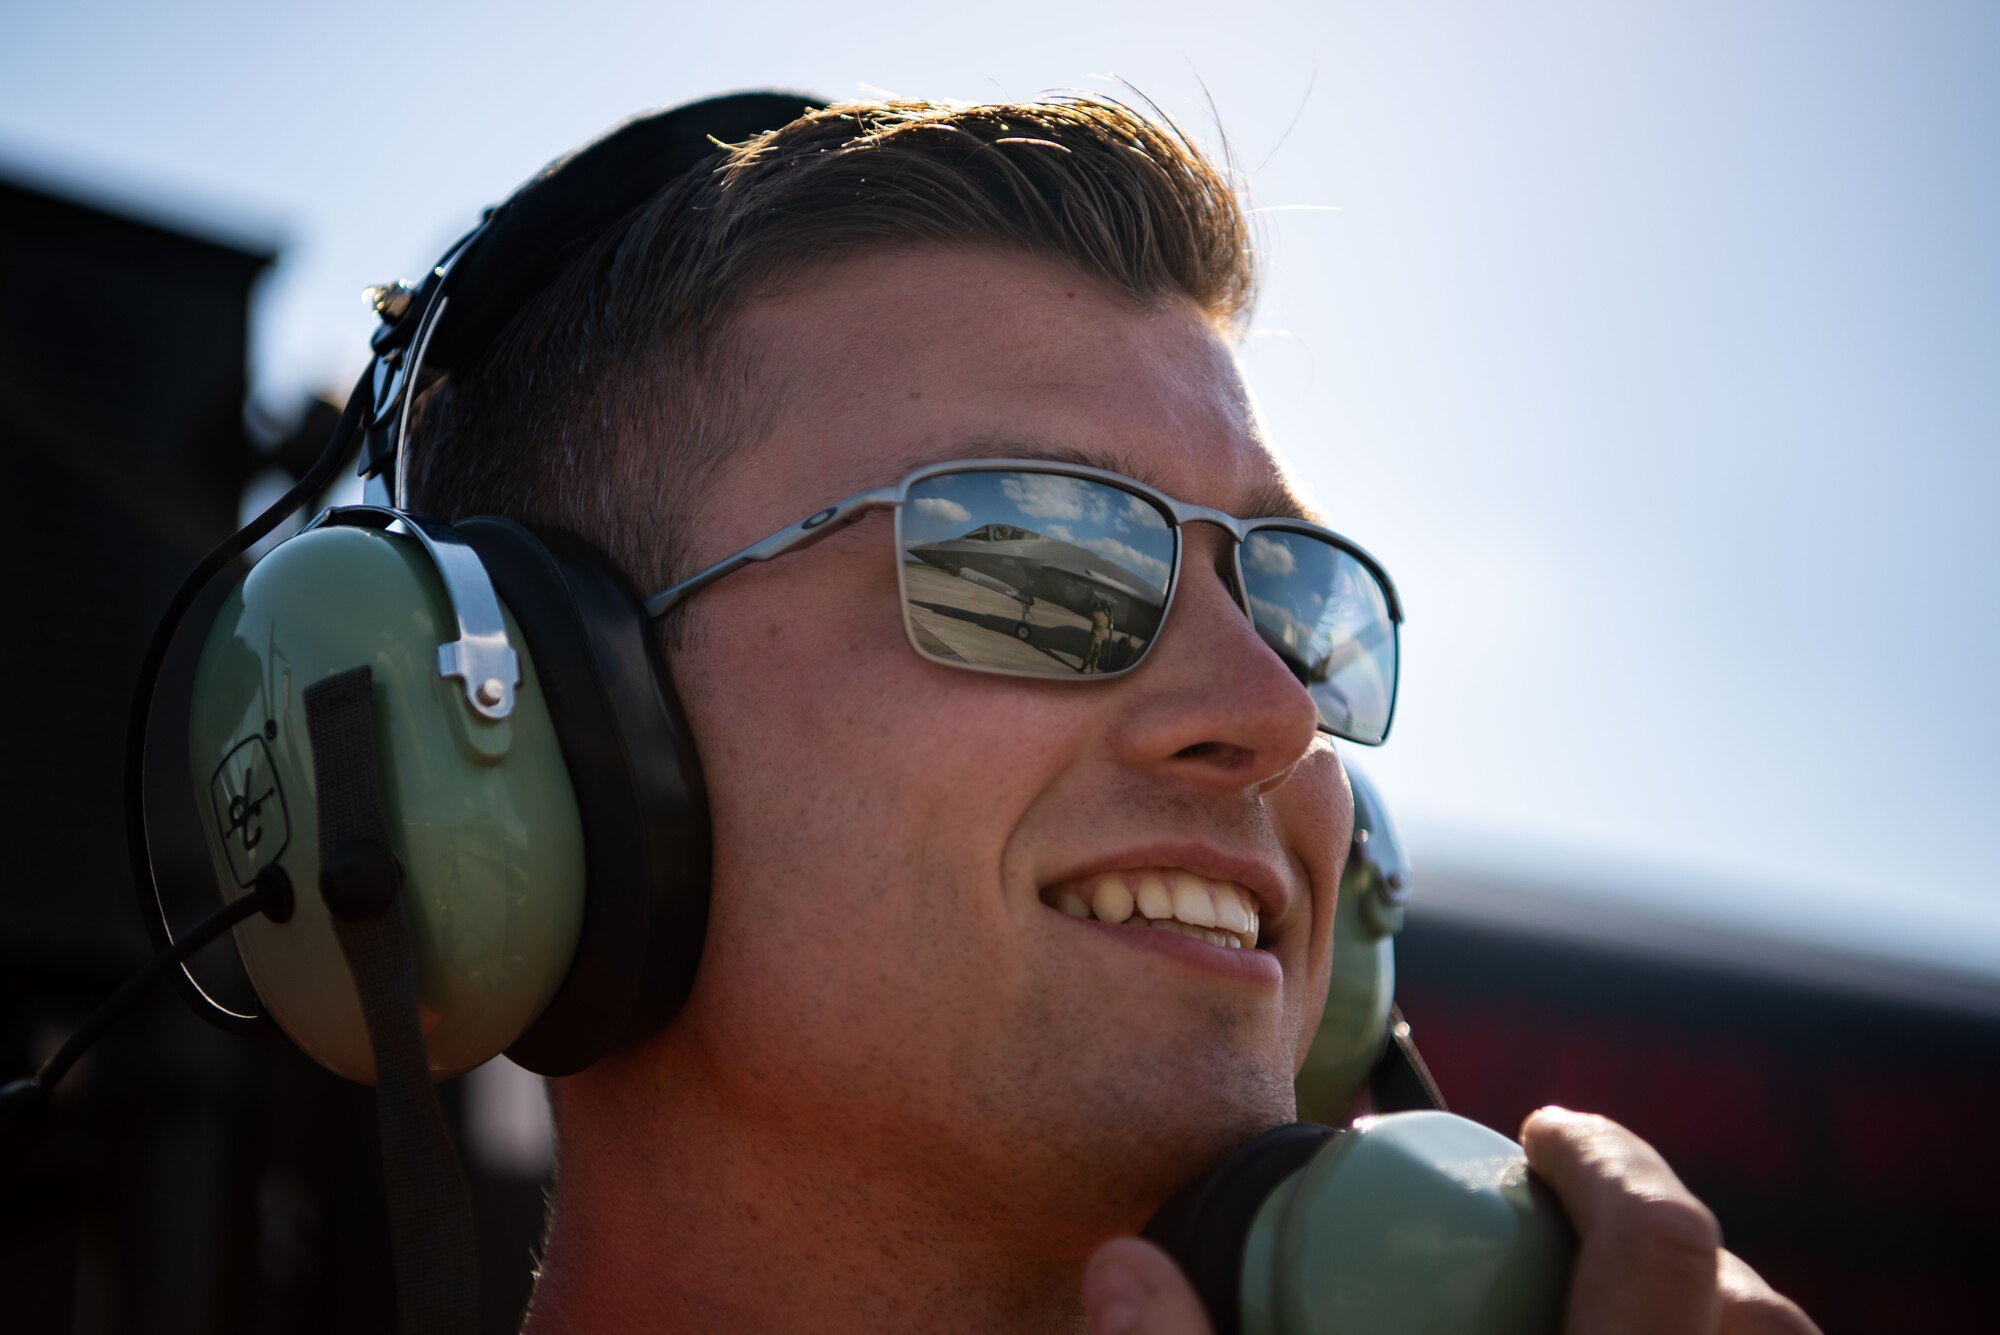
x=1317, y=809
x=786, y=710
x=793, y=666
x=836, y=762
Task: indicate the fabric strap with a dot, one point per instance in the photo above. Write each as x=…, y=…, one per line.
x=430, y=1209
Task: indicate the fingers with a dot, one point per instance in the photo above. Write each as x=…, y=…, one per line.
x=1131, y=1287
x=1649, y=1251
x=1650, y=1256
x=1752, y=1307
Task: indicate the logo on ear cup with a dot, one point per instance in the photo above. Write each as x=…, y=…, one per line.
x=248, y=806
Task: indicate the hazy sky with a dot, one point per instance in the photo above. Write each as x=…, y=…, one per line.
x=1654, y=347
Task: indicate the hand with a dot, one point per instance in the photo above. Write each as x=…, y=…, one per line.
x=1650, y=1256
x=1131, y=1287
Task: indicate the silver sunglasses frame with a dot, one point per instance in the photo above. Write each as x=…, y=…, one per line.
x=815, y=526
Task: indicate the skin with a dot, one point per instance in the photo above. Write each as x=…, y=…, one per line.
x=905, y=1093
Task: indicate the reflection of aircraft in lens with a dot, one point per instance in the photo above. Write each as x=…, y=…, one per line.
x=1025, y=566
x=1322, y=657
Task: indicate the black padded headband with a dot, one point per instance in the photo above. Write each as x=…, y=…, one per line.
x=526, y=241
x=521, y=245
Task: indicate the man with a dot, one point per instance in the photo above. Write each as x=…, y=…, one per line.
x=908, y=1091
x=1100, y=631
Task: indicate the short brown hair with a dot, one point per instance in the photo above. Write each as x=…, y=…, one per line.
x=609, y=401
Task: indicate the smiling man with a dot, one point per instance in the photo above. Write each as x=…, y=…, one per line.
x=1001, y=951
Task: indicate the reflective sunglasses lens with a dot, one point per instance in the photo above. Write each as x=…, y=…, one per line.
x=1034, y=574
x=1327, y=616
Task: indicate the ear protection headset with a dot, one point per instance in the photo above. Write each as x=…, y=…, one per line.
x=544, y=803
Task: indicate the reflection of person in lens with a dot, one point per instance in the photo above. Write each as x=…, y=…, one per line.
x=1100, y=631
x=913, y=1088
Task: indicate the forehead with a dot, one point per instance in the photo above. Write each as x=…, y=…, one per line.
x=882, y=363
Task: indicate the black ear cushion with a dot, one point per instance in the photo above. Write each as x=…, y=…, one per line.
x=638, y=789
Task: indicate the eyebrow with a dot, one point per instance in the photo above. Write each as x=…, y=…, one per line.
x=1272, y=498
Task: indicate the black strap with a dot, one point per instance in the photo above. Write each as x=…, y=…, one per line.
x=1401, y=1082
x=430, y=1210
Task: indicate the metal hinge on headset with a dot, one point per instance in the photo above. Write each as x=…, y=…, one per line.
x=410, y=314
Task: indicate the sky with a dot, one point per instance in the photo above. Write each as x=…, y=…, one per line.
x=1654, y=348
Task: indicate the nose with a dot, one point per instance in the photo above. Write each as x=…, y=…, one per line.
x=1212, y=702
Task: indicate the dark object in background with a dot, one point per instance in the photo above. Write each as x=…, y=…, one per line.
x=121, y=389
x=190, y=1181
x=122, y=349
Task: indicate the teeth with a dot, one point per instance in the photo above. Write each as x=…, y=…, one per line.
x=1231, y=913
x=1235, y=910
x=1192, y=902
x=1218, y=912
x=1111, y=901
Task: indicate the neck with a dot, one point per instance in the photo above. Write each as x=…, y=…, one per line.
x=735, y=1217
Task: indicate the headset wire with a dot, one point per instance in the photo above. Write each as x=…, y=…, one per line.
x=152, y=907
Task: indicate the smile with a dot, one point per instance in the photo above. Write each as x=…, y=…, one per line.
x=1221, y=913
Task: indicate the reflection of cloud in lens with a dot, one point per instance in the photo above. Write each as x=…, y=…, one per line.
x=1271, y=556
x=937, y=507
x=1125, y=554
x=1291, y=630
x=1141, y=512
x=1048, y=496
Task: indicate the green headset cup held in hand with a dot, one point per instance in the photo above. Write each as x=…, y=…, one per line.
x=1414, y=1223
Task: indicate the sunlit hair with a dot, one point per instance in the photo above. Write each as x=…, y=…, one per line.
x=608, y=402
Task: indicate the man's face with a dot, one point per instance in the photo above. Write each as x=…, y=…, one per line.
x=884, y=962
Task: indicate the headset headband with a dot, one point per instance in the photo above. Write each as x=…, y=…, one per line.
x=521, y=245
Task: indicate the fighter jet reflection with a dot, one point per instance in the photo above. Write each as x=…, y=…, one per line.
x=1025, y=566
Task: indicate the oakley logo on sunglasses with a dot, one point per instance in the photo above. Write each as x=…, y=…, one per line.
x=1063, y=572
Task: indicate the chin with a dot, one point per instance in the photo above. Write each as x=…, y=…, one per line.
x=1143, y=1140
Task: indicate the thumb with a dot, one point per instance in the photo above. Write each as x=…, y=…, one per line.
x=1131, y=1287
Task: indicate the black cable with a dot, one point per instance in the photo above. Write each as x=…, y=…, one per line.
x=272, y=895
x=140, y=720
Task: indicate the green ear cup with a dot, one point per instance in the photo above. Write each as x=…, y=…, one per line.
x=481, y=813
x=1365, y=922
x=1417, y=1223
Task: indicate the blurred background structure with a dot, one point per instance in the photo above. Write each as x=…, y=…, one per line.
x=1653, y=351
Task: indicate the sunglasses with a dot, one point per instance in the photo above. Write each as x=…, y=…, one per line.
x=1062, y=572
